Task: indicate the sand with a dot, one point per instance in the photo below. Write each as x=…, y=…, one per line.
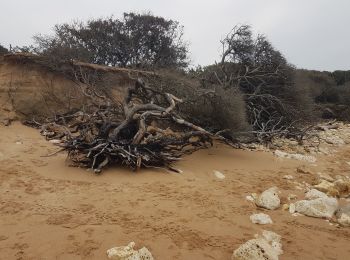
x=49, y=210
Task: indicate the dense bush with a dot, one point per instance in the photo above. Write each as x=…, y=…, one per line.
x=213, y=108
x=3, y=50
x=328, y=98
x=341, y=77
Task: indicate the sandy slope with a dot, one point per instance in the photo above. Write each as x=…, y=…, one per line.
x=51, y=211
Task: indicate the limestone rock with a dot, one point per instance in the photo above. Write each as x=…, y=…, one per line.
x=261, y=219
x=327, y=187
x=264, y=247
x=344, y=220
x=315, y=194
x=318, y=208
x=295, y=156
x=269, y=199
x=128, y=253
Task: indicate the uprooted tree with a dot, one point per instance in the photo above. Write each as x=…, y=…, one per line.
x=144, y=130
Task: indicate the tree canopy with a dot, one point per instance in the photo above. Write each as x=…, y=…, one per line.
x=141, y=40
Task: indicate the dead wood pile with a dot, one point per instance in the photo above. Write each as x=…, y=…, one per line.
x=143, y=131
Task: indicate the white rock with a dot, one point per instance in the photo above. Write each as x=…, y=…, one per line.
x=295, y=156
x=288, y=177
x=318, y=208
x=219, y=175
x=261, y=219
x=265, y=247
x=128, y=253
x=315, y=194
x=344, y=220
x=269, y=199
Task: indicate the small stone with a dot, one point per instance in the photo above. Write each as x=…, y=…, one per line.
x=269, y=199
x=285, y=207
x=261, y=219
x=288, y=177
x=250, y=198
x=219, y=175
x=292, y=197
x=292, y=208
x=55, y=141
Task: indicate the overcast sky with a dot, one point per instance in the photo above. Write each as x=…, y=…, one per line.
x=312, y=34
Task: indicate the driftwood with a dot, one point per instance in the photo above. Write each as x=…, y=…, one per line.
x=146, y=132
